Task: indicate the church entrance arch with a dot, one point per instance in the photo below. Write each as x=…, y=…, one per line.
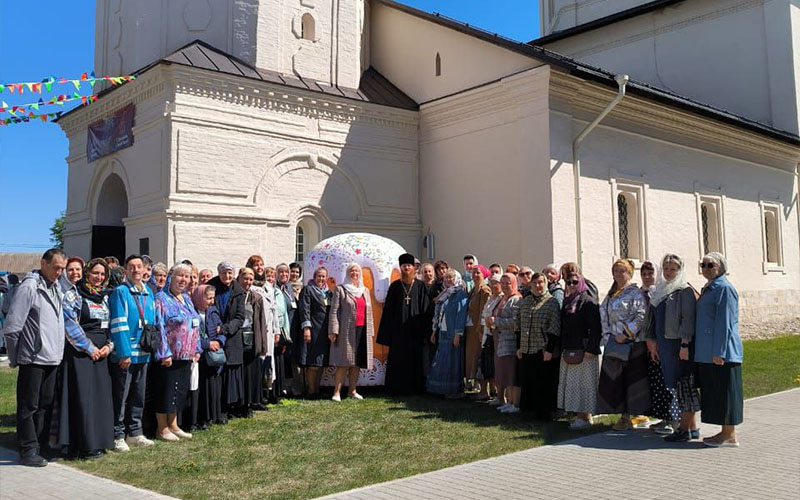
x=108, y=230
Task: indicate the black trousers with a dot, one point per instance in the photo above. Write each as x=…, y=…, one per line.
x=35, y=396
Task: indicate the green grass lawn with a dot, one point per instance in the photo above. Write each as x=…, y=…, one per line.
x=310, y=448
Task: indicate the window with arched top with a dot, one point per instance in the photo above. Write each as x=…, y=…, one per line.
x=438, y=64
x=299, y=244
x=629, y=219
x=307, y=27
x=772, y=236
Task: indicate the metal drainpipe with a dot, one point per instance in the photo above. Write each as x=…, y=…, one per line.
x=622, y=81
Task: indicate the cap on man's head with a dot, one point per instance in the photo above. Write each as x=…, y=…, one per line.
x=406, y=258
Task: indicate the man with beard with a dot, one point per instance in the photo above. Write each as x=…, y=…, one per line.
x=403, y=329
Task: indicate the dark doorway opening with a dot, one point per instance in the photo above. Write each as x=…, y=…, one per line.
x=108, y=231
x=108, y=240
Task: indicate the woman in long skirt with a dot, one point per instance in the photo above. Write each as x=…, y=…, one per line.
x=87, y=415
x=624, y=386
x=449, y=320
x=580, y=334
x=210, y=384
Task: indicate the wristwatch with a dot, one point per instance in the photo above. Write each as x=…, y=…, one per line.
x=684, y=345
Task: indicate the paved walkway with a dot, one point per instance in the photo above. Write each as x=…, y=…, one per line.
x=634, y=464
x=60, y=482
x=767, y=466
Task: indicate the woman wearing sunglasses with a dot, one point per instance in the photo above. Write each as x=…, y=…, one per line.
x=718, y=352
x=580, y=347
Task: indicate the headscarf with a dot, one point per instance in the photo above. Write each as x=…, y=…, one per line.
x=442, y=299
x=571, y=301
x=322, y=292
x=225, y=266
x=628, y=265
x=663, y=287
x=483, y=269
x=721, y=261
x=514, y=291
x=648, y=290
x=458, y=283
x=199, y=297
x=354, y=290
x=93, y=293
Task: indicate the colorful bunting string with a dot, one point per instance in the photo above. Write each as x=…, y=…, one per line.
x=29, y=117
x=59, y=100
x=47, y=83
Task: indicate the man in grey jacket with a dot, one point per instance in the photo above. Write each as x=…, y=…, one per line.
x=34, y=334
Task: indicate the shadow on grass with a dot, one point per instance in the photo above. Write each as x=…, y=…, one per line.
x=480, y=414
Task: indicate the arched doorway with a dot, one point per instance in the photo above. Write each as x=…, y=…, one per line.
x=108, y=230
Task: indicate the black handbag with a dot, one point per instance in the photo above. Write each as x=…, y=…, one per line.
x=150, y=341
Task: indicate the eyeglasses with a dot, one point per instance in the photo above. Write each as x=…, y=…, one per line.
x=572, y=282
x=526, y=273
x=707, y=265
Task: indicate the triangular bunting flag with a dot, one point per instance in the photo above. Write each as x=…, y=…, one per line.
x=11, y=88
x=34, y=106
x=2, y=88
x=77, y=84
x=43, y=117
x=84, y=77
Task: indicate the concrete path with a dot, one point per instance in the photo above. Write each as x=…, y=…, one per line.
x=613, y=465
x=58, y=481
x=633, y=464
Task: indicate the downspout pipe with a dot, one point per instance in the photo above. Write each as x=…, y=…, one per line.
x=622, y=82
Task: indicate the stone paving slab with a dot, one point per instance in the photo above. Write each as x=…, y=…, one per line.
x=631, y=464
x=60, y=482
x=612, y=465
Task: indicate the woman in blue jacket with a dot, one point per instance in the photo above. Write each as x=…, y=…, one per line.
x=449, y=320
x=718, y=352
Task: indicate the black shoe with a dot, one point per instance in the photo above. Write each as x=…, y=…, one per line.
x=679, y=436
x=258, y=407
x=694, y=434
x=52, y=455
x=249, y=414
x=222, y=421
x=92, y=455
x=33, y=460
x=202, y=427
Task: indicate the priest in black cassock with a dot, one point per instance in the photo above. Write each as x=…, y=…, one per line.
x=403, y=331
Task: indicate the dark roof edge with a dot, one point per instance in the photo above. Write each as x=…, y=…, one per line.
x=604, y=21
x=598, y=75
x=166, y=62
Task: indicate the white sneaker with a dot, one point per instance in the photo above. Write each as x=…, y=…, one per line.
x=580, y=423
x=496, y=402
x=512, y=409
x=337, y=398
x=120, y=446
x=138, y=441
x=356, y=395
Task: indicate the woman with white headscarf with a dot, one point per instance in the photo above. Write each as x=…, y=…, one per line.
x=718, y=352
x=350, y=330
x=670, y=340
x=446, y=376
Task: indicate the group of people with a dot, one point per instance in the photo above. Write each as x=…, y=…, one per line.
x=106, y=349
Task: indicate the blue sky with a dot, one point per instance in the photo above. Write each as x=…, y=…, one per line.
x=33, y=168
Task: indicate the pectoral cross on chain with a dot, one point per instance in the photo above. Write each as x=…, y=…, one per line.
x=408, y=299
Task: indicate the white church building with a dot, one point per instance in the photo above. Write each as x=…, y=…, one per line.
x=263, y=126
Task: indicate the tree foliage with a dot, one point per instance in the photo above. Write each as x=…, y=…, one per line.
x=57, y=231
